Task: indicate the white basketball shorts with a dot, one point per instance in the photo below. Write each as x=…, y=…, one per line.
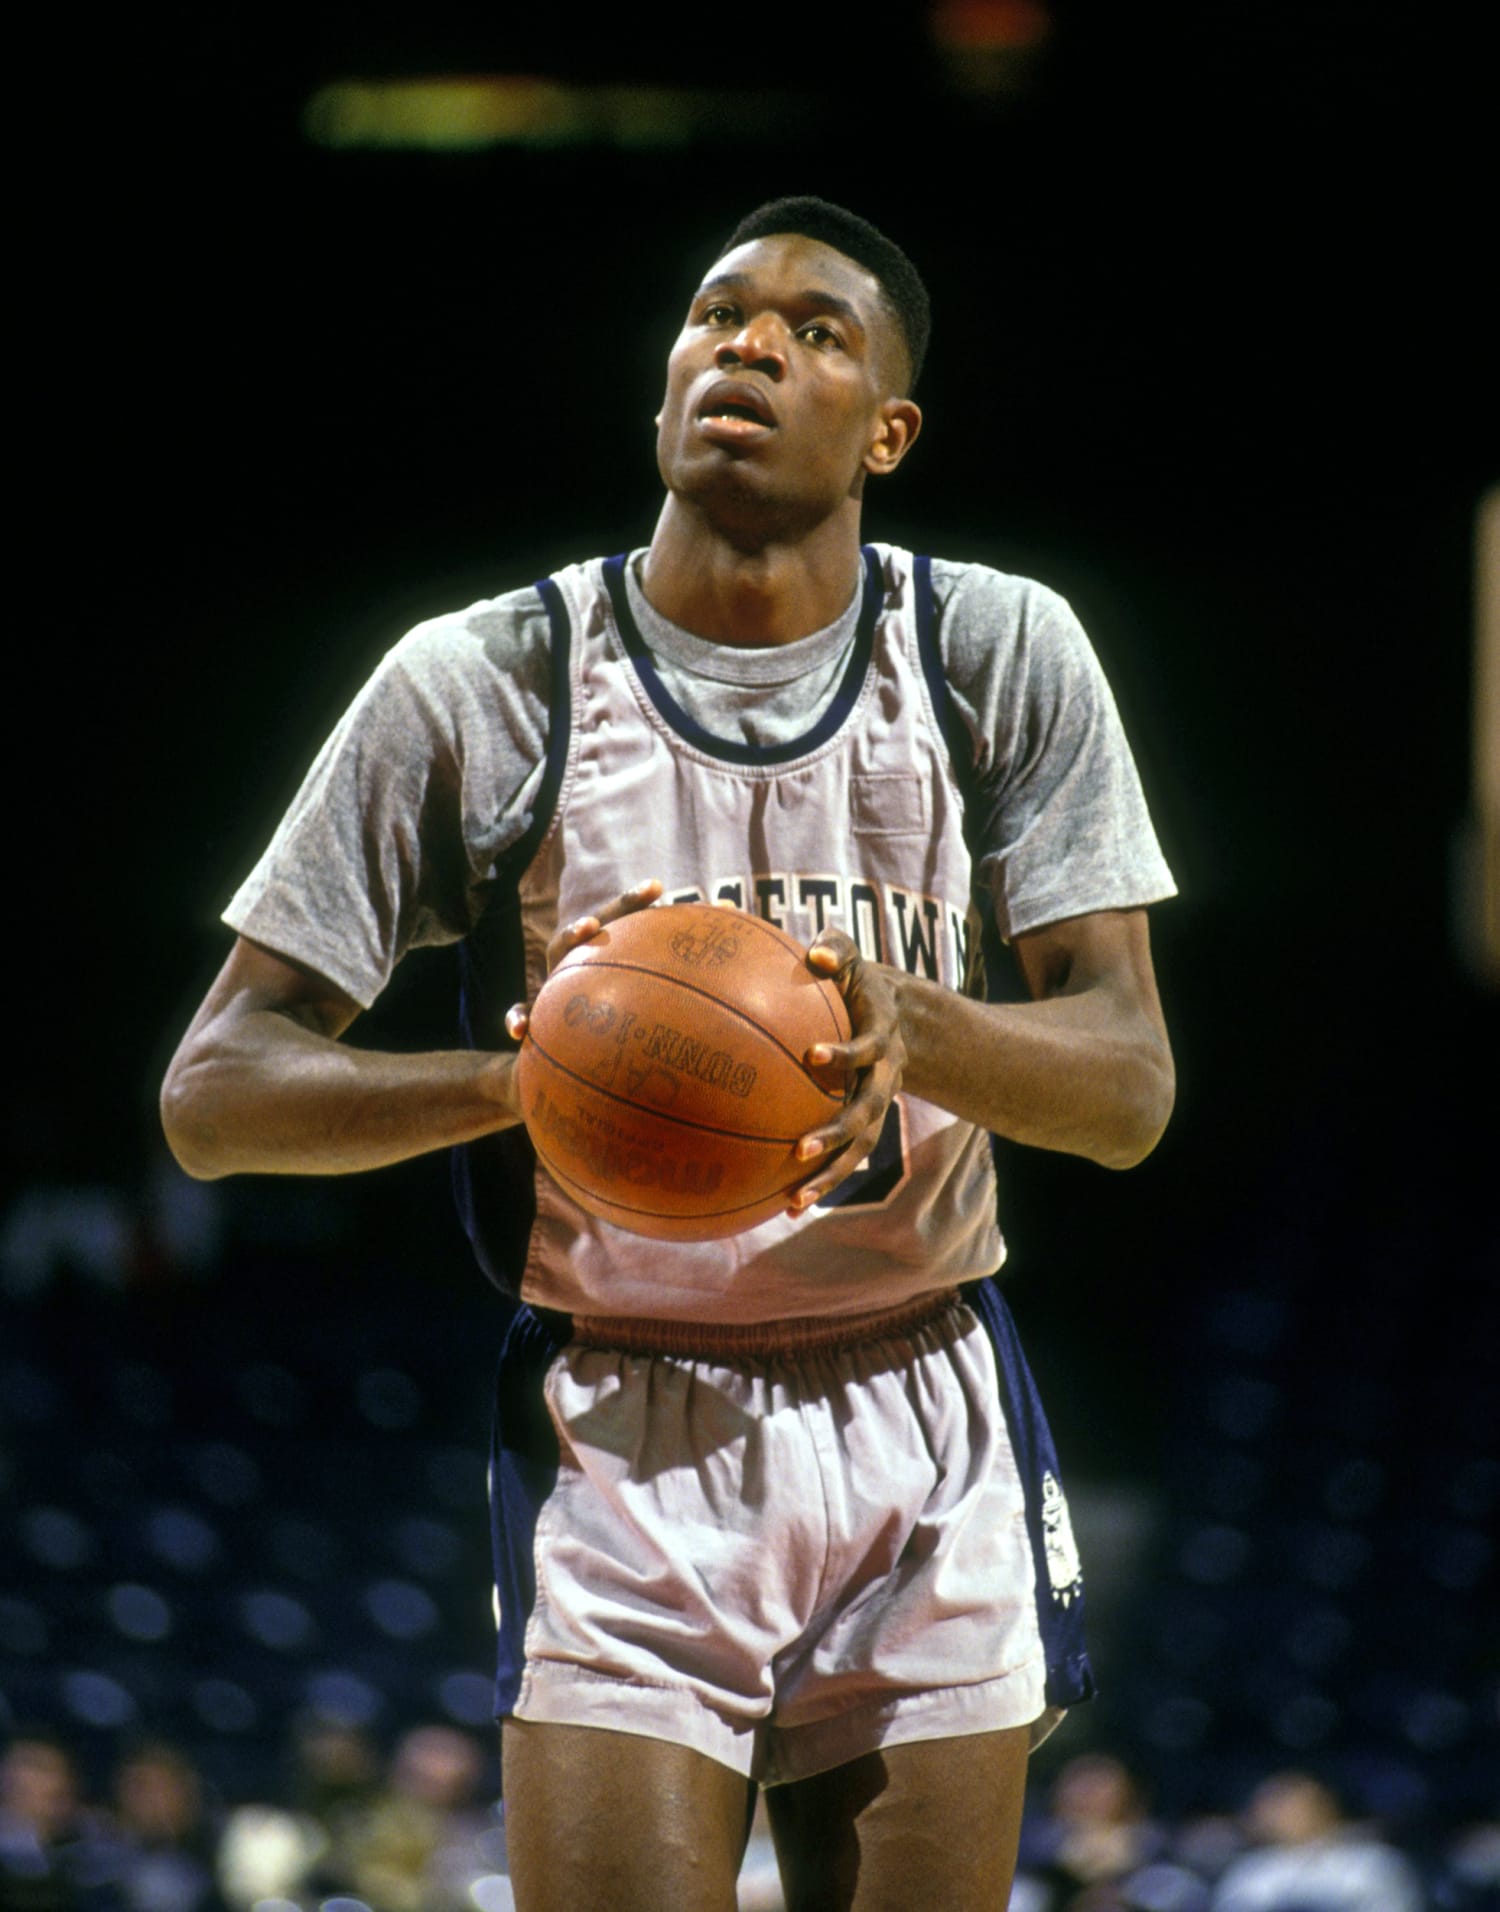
x=782, y=1560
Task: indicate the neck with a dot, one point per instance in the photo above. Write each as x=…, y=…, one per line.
x=771, y=593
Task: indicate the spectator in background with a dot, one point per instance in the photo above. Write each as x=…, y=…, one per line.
x=1469, y=1874
x=163, y=1839
x=1309, y=1855
x=428, y=1835
x=302, y=1849
x=52, y=1856
x=1095, y=1835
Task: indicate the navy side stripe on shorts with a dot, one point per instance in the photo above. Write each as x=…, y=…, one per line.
x=1059, y=1583
x=523, y=1472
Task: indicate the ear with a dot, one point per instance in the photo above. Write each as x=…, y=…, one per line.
x=897, y=424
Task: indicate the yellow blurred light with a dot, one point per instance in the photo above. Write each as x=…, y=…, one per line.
x=464, y=113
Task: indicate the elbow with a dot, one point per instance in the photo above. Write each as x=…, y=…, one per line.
x=1143, y=1114
x=191, y=1134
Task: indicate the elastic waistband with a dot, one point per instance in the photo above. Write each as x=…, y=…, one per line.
x=802, y=1334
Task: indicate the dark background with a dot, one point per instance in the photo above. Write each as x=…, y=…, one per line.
x=1211, y=356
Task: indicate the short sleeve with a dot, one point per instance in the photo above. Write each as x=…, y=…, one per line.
x=1061, y=826
x=426, y=780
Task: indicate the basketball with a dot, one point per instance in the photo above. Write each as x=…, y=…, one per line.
x=661, y=1075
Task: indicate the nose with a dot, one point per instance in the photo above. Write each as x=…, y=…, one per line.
x=758, y=346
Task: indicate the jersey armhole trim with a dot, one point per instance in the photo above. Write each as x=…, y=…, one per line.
x=961, y=758
x=960, y=751
x=559, y=734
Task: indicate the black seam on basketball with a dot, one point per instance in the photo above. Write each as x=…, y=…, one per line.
x=658, y=1115
x=707, y=995
x=764, y=928
x=688, y=1218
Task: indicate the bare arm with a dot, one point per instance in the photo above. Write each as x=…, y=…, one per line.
x=1085, y=1067
x=261, y=1084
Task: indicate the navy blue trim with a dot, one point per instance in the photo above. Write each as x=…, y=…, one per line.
x=1059, y=1611
x=493, y=1176
x=559, y=735
x=999, y=973
x=828, y=724
x=960, y=747
x=523, y=1472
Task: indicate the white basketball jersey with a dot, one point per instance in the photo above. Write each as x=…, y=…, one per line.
x=858, y=824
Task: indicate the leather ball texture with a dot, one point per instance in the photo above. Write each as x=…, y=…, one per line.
x=661, y=1076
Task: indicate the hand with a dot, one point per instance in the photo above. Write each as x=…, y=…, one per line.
x=875, y=1054
x=582, y=930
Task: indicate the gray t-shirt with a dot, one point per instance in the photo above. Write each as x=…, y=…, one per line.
x=435, y=770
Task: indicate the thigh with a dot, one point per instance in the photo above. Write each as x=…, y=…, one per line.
x=600, y=1818
x=930, y=1822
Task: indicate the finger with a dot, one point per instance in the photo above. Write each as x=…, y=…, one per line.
x=858, y=1126
x=641, y=897
x=873, y=1092
x=840, y=1146
x=584, y=928
x=569, y=937
x=842, y=1166
x=833, y=951
x=858, y=1053
x=842, y=1153
x=516, y=1020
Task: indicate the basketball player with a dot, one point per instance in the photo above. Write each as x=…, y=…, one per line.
x=780, y=1510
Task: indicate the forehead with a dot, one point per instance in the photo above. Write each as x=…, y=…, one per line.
x=793, y=255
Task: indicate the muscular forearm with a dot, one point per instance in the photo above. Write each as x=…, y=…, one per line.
x=1069, y=1072
x=263, y=1094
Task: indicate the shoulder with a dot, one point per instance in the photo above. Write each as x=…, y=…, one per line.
x=986, y=616
x=1012, y=654
x=464, y=673
x=499, y=635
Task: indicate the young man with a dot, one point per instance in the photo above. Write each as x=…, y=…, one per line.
x=790, y=1512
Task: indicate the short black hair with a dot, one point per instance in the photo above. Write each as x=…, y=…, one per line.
x=900, y=282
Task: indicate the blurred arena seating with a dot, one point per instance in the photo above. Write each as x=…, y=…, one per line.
x=225, y=1503
x=242, y=1496
x=1325, y=1588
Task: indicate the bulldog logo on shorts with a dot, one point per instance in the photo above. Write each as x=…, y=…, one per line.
x=1064, y=1569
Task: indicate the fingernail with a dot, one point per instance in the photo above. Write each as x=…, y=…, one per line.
x=819, y=1054
x=807, y=1148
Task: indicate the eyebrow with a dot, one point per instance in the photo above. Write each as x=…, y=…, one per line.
x=813, y=298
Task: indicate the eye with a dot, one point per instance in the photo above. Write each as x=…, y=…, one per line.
x=720, y=313
x=819, y=334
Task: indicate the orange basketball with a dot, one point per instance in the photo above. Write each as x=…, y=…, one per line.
x=661, y=1076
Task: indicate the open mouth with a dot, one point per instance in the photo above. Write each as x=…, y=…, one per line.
x=731, y=402
x=735, y=411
